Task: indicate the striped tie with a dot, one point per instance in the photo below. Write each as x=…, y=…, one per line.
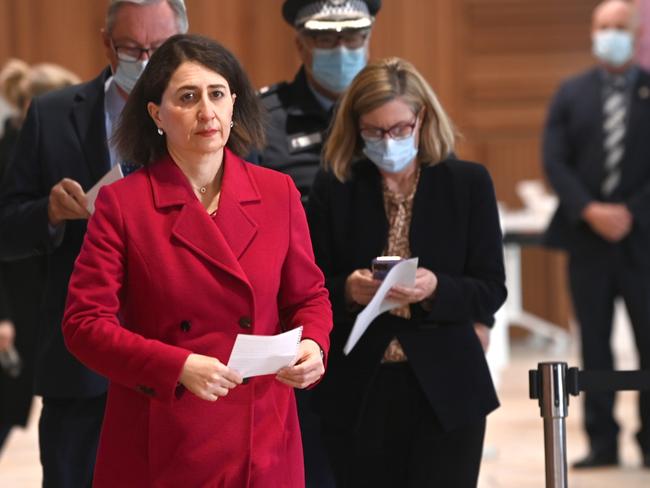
x=614, y=111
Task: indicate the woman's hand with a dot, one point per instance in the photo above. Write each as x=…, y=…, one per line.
x=425, y=286
x=6, y=335
x=360, y=287
x=308, y=368
x=207, y=377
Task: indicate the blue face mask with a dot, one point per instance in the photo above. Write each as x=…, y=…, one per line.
x=336, y=68
x=612, y=46
x=391, y=155
x=127, y=73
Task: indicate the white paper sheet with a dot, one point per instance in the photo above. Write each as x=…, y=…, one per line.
x=113, y=175
x=254, y=355
x=403, y=273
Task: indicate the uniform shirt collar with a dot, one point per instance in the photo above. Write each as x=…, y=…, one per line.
x=322, y=100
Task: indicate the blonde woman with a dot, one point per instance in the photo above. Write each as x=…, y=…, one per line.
x=407, y=406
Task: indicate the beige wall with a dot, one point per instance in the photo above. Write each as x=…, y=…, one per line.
x=494, y=64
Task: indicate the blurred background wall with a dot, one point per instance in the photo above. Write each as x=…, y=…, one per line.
x=494, y=64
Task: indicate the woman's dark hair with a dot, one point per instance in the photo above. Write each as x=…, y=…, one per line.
x=136, y=137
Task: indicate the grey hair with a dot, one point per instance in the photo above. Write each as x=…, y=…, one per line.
x=178, y=6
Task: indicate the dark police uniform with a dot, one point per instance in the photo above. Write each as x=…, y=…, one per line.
x=296, y=131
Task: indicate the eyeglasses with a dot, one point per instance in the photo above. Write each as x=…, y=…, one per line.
x=133, y=53
x=352, y=39
x=401, y=130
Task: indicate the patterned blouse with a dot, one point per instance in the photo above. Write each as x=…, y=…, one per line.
x=399, y=211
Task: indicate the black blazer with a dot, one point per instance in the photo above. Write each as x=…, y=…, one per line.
x=63, y=136
x=573, y=157
x=455, y=233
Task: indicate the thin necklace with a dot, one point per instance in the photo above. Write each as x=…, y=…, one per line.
x=202, y=189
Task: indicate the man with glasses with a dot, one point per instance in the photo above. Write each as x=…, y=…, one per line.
x=332, y=38
x=61, y=153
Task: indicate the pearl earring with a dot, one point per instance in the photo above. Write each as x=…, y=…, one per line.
x=160, y=131
x=232, y=124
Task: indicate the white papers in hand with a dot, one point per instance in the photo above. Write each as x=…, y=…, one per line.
x=403, y=273
x=254, y=355
x=113, y=175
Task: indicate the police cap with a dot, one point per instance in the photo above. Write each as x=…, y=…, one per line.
x=334, y=15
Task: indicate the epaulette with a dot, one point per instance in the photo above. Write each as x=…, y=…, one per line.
x=270, y=96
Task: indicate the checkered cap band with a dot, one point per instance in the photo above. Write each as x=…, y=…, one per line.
x=334, y=10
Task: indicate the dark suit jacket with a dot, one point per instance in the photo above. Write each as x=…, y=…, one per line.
x=455, y=233
x=574, y=162
x=63, y=136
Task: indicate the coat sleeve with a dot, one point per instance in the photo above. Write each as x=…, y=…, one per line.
x=556, y=153
x=318, y=213
x=24, y=229
x=303, y=298
x=91, y=327
x=479, y=291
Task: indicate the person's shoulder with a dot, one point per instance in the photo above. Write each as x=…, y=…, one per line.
x=64, y=97
x=578, y=81
x=461, y=170
x=264, y=175
x=458, y=166
x=259, y=171
x=272, y=96
x=131, y=186
x=56, y=103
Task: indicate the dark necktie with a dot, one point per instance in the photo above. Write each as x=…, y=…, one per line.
x=614, y=111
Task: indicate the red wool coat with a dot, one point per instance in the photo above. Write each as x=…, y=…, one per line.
x=157, y=279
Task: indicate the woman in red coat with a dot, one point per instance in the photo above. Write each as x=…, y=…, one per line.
x=180, y=257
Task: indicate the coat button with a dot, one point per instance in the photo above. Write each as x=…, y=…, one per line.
x=245, y=322
x=186, y=325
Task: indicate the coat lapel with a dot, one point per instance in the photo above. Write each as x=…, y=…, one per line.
x=370, y=232
x=223, y=243
x=592, y=112
x=89, y=121
x=238, y=191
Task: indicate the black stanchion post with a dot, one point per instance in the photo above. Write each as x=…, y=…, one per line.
x=547, y=384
